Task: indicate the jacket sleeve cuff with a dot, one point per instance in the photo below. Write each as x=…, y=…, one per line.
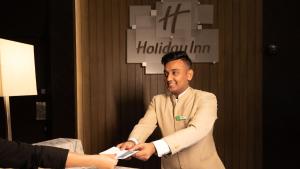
x=134, y=140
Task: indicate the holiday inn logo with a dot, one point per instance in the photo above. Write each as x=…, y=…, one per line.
x=174, y=25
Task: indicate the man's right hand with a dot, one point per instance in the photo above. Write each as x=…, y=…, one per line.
x=126, y=145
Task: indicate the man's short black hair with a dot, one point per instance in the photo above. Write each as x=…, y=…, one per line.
x=175, y=56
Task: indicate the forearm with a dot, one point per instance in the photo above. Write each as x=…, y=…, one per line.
x=76, y=160
x=194, y=133
x=146, y=125
x=98, y=161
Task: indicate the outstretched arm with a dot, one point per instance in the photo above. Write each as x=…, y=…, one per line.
x=22, y=155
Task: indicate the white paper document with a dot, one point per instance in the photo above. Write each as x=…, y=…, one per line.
x=120, y=154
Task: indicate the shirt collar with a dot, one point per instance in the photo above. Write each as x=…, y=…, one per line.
x=181, y=94
x=175, y=100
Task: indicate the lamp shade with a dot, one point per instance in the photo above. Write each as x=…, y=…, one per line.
x=17, y=69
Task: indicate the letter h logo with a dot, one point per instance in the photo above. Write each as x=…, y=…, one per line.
x=174, y=15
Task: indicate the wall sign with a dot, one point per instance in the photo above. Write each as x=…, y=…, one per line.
x=174, y=25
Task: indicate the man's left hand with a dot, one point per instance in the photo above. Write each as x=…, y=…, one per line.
x=145, y=151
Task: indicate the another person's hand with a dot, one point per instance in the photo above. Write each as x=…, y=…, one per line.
x=145, y=151
x=126, y=145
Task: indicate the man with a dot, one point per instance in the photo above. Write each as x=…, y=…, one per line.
x=21, y=155
x=185, y=117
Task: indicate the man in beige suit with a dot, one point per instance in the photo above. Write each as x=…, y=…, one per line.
x=185, y=117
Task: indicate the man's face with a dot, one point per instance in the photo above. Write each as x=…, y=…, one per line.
x=177, y=76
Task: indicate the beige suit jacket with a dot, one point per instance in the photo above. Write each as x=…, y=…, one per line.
x=191, y=140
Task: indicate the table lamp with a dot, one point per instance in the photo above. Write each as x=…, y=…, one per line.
x=17, y=74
